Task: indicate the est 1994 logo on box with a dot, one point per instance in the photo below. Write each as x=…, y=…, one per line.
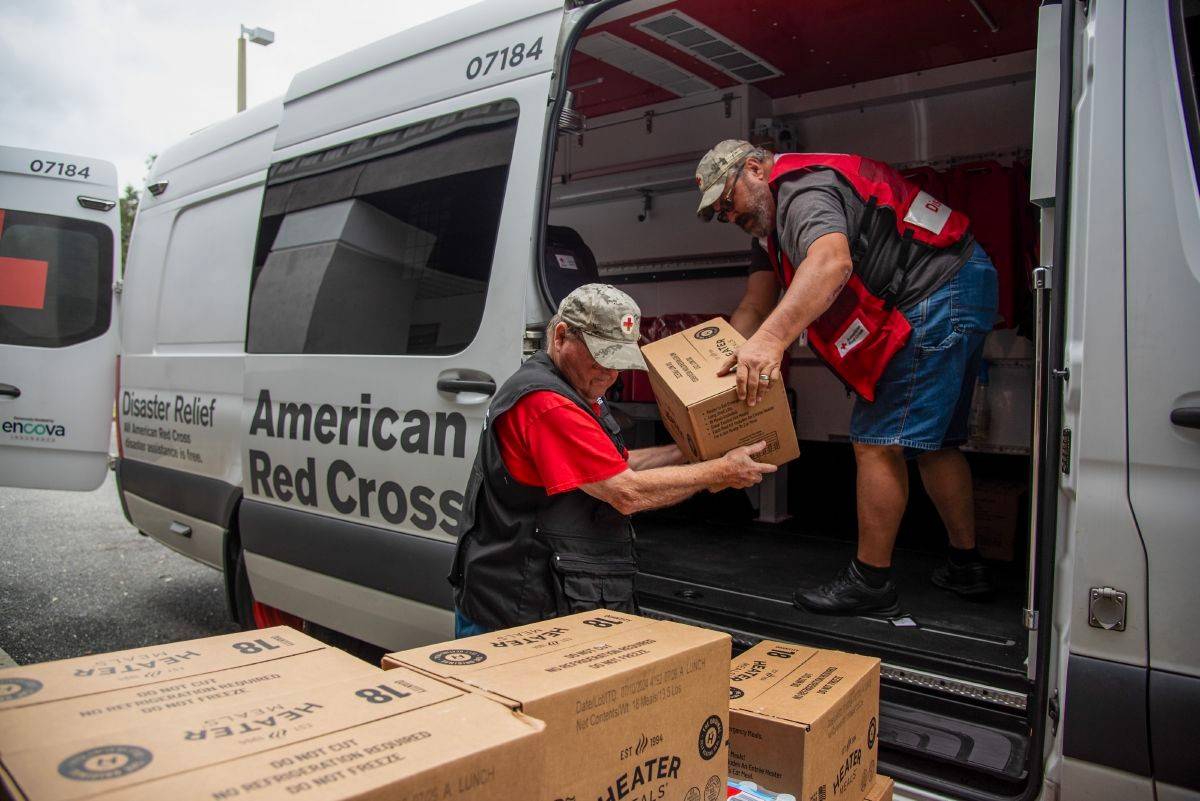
x=13, y=688
x=105, y=762
x=711, y=737
x=457, y=656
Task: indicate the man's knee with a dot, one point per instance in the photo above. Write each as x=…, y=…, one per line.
x=940, y=455
x=864, y=451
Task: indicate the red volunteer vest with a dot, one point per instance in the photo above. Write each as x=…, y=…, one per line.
x=860, y=332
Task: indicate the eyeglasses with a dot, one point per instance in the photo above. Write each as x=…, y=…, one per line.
x=724, y=204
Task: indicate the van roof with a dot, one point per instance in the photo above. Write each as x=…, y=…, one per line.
x=372, y=82
x=243, y=144
x=222, y=152
x=471, y=21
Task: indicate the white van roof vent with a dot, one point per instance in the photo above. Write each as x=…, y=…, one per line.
x=641, y=63
x=694, y=38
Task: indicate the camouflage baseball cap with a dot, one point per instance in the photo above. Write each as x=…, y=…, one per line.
x=610, y=322
x=715, y=166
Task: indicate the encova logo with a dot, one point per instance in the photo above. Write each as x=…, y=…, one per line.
x=25, y=427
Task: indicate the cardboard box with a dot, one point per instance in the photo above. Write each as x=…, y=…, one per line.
x=881, y=790
x=634, y=708
x=133, y=707
x=85, y=675
x=701, y=410
x=804, y=721
x=330, y=739
x=998, y=507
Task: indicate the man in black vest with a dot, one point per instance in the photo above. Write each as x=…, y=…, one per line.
x=545, y=529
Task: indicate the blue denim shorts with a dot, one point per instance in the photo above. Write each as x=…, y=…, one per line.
x=923, y=397
x=465, y=627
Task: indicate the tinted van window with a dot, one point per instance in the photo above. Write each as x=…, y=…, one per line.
x=1185, y=17
x=55, y=279
x=383, y=245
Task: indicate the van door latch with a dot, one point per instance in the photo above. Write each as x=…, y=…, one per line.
x=532, y=341
x=1107, y=608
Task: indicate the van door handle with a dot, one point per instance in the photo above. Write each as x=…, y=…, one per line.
x=1186, y=416
x=486, y=387
x=9, y=391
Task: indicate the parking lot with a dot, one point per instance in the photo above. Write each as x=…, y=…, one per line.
x=76, y=578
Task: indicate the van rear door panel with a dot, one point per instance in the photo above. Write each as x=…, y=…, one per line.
x=58, y=332
x=1162, y=291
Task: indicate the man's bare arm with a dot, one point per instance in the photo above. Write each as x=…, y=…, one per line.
x=819, y=279
x=637, y=490
x=661, y=456
x=762, y=292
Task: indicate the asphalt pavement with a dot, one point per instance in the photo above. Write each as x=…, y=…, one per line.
x=76, y=578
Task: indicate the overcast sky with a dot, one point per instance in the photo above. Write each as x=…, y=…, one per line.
x=121, y=79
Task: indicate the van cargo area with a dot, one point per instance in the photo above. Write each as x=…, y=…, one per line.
x=951, y=105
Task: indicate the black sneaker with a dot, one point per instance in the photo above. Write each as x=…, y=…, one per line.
x=849, y=594
x=972, y=580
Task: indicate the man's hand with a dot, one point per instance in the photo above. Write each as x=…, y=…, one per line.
x=760, y=356
x=739, y=468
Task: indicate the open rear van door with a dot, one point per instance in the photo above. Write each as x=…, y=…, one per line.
x=59, y=228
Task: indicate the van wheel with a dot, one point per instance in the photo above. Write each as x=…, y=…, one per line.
x=243, y=598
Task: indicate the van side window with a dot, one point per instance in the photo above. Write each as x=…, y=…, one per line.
x=1185, y=19
x=55, y=279
x=206, y=264
x=383, y=245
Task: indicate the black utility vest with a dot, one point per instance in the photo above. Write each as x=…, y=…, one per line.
x=524, y=555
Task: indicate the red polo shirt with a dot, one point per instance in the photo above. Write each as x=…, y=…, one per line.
x=547, y=441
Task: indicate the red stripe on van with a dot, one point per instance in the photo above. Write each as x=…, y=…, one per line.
x=23, y=282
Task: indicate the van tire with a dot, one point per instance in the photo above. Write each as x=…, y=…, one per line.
x=243, y=597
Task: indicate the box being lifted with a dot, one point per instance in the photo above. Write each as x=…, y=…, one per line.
x=702, y=410
x=634, y=708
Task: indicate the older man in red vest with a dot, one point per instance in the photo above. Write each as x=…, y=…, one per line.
x=896, y=298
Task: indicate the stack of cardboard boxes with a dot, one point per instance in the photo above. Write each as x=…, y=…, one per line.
x=600, y=705
x=266, y=715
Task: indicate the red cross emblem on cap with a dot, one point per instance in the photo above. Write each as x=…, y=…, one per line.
x=627, y=323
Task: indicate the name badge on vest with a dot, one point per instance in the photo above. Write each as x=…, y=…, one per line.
x=928, y=212
x=852, y=337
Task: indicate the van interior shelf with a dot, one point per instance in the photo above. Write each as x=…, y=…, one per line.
x=662, y=178
x=710, y=265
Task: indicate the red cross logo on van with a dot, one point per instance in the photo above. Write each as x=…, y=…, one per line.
x=627, y=323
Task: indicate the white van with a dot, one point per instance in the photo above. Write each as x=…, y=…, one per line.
x=60, y=238
x=323, y=292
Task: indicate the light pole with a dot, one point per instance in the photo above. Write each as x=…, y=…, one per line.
x=259, y=36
